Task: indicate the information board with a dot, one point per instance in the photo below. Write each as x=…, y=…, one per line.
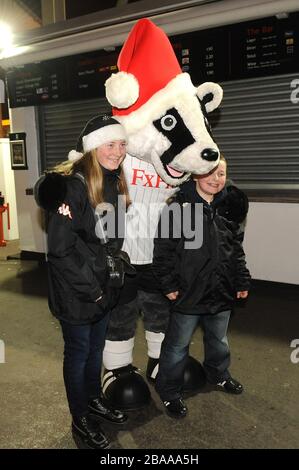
x=38, y=83
x=205, y=55
x=265, y=47
x=87, y=73
x=256, y=48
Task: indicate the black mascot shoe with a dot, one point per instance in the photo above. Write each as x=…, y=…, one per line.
x=88, y=436
x=231, y=386
x=175, y=408
x=98, y=408
x=194, y=375
x=125, y=389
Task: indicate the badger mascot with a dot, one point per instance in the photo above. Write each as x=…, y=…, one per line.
x=165, y=118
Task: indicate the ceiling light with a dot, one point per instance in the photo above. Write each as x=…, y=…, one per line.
x=5, y=36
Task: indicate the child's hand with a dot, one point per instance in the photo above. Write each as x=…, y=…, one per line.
x=243, y=294
x=172, y=295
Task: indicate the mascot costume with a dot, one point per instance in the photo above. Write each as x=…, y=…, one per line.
x=169, y=138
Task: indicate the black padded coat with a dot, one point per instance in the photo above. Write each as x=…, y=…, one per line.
x=77, y=269
x=208, y=277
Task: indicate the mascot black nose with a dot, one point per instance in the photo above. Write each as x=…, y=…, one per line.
x=210, y=154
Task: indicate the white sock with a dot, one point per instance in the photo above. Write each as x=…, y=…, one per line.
x=154, y=341
x=118, y=353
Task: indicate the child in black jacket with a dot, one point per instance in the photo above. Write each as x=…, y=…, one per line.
x=202, y=280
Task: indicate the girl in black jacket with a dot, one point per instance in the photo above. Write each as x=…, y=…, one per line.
x=79, y=292
x=202, y=280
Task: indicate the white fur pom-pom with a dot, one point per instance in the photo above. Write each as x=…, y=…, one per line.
x=122, y=90
x=74, y=155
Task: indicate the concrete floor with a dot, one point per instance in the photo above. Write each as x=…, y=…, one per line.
x=34, y=412
x=12, y=248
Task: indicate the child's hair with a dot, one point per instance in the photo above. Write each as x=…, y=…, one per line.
x=222, y=158
x=88, y=165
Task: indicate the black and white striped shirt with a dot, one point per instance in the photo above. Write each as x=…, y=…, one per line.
x=148, y=193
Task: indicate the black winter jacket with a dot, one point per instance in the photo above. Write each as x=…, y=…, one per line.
x=208, y=277
x=76, y=259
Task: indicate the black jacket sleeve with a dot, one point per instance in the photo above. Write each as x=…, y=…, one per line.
x=67, y=252
x=165, y=255
x=243, y=277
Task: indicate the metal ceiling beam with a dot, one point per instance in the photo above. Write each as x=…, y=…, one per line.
x=195, y=18
x=105, y=18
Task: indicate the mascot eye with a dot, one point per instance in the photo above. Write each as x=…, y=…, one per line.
x=168, y=122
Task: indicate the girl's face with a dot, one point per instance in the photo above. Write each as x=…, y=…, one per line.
x=111, y=154
x=212, y=183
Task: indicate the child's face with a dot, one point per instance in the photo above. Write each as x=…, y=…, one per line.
x=111, y=154
x=213, y=182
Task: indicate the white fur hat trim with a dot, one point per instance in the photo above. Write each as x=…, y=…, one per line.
x=74, y=155
x=103, y=135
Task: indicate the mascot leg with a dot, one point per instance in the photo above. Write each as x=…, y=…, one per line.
x=122, y=385
x=118, y=353
x=154, y=342
x=155, y=308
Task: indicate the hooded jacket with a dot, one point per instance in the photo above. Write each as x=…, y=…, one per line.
x=209, y=276
x=77, y=268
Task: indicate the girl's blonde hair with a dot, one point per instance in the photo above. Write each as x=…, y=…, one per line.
x=89, y=166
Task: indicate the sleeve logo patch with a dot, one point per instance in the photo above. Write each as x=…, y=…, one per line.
x=65, y=210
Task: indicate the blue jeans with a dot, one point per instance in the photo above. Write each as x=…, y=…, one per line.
x=175, y=351
x=83, y=350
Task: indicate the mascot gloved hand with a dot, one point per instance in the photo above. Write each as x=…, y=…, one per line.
x=169, y=138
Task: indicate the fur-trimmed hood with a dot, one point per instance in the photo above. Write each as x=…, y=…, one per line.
x=50, y=191
x=234, y=206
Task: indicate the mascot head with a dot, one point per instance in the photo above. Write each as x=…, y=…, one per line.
x=164, y=115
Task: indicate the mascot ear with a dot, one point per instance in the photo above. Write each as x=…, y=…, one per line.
x=210, y=94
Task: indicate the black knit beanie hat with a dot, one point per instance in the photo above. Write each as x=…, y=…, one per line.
x=97, y=131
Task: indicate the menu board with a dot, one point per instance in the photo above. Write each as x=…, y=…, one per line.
x=74, y=77
x=203, y=54
x=38, y=83
x=88, y=72
x=265, y=47
x=256, y=48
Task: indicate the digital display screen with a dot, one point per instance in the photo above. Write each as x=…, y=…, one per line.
x=38, y=83
x=88, y=73
x=251, y=49
x=265, y=47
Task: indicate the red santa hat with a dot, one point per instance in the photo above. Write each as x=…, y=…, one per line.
x=149, y=75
